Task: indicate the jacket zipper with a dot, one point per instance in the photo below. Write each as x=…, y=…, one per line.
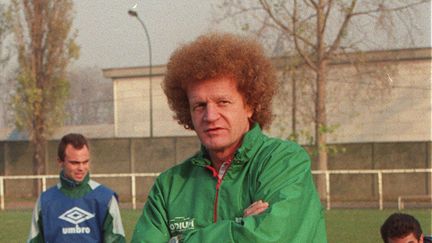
x=219, y=176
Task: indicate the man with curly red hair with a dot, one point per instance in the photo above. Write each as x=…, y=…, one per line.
x=242, y=186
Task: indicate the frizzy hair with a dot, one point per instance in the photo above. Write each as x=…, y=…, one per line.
x=217, y=55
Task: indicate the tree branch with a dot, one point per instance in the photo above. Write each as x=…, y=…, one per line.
x=299, y=50
x=279, y=23
x=342, y=30
x=314, y=4
x=327, y=14
x=381, y=8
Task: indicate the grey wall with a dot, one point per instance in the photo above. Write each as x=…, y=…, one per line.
x=157, y=154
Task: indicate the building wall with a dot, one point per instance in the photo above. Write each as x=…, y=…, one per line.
x=401, y=113
x=132, y=104
x=131, y=108
x=387, y=98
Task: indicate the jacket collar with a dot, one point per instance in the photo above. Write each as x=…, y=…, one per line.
x=252, y=139
x=69, y=183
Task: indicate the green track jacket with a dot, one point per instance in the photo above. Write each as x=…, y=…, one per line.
x=192, y=203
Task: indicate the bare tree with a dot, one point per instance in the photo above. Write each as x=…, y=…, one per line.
x=91, y=97
x=4, y=31
x=319, y=32
x=4, y=57
x=45, y=46
x=293, y=93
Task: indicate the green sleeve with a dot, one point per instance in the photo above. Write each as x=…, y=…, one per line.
x=113, y=227
x=36, y=227
x=295, y=213
x=152, y=226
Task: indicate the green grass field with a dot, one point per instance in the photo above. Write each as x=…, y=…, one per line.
x=350, y=225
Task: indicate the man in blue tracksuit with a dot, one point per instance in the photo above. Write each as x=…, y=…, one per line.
x=77, y=209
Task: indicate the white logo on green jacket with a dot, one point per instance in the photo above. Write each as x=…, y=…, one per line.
x=180, y=224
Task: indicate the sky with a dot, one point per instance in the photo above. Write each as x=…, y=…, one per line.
x=109, y=37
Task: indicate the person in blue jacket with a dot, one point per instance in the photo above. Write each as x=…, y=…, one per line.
x=77, y=209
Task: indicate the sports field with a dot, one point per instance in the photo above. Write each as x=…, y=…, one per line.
x=351, y=225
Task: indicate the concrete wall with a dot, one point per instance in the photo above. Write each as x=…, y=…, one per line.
x=123, y=155
x=401, y=155
x=107, y=156
x=132, y=104
x=386, y=98
x=403, y=113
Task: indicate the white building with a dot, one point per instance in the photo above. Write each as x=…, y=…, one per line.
x=401, y=111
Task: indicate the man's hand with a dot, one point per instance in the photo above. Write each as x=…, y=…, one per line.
x=255, y=208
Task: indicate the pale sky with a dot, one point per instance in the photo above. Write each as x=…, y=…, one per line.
x=109, y=37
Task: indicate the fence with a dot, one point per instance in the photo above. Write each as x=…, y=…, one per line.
x=378, y=173
x=328, y=173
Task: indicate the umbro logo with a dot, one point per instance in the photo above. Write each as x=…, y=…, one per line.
x=76, y=215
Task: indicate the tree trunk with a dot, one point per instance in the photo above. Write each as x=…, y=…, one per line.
x=39, y=154
x=294, y=106
x=320, y=99
x=37, y=51
x=320, y=127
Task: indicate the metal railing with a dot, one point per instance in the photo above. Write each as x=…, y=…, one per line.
x=133, y=176
x=44, y=178
x=378, y=173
